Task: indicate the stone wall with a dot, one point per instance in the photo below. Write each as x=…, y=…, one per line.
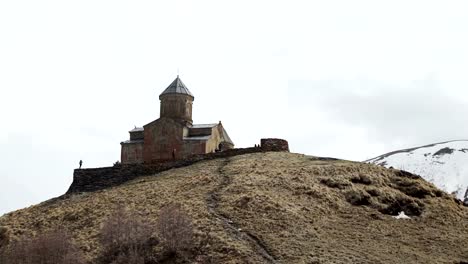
x=274, y=144
x=192, y=147
x=89, y=180
x=132, y=153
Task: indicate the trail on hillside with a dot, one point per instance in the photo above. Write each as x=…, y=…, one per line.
x=234, y=229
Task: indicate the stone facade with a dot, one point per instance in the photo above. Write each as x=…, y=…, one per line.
x=173, y=136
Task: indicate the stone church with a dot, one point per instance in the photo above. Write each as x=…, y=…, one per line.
x=173, y=135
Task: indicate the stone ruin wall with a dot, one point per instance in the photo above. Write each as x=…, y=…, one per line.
x=89, y=180
x=274, y=144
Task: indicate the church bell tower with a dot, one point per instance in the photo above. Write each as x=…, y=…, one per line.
x=176, y=102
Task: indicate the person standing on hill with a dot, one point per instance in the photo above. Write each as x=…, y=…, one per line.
x=81, y=163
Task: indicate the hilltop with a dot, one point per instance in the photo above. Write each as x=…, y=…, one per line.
x=278, y=207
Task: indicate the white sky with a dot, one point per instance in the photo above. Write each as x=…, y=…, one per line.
x=348, y=79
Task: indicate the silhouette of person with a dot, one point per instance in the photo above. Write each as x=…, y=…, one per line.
x=173, y=154
x=81, y=163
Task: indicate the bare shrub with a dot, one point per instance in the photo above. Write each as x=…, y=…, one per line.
x=53, y=247
x=126, y=238
x=175, y=229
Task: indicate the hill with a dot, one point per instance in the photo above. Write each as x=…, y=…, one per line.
x=444, y=164
x=278, y=207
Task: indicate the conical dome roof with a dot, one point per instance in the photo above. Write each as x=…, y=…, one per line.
x=177, y=87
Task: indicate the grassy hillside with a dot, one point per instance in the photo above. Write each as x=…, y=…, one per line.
x=278, y=208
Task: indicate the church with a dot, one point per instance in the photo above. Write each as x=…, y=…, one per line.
x=173, y=135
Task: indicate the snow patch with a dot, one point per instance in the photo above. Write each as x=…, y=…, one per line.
x=446, y=168
x=401, y=215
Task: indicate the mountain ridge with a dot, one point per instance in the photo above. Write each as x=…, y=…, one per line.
x=411, y=149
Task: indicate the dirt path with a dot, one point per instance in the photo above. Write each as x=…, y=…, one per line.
x=233, y=228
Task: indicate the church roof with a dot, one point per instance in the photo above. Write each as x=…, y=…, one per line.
x=202, y=138
x=134, y=141
x=204, y=125
x=177, y=87
x=137, y=129
x=205, y=136
x=226, y=137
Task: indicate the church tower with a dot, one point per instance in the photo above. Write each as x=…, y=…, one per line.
x=173, y=135
x=176, y=102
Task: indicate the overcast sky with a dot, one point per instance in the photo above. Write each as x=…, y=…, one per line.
x=347, y=79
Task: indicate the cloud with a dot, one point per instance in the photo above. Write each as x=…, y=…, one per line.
x=395, y=114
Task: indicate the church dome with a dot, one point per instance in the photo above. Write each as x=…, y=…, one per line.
x=177, y=87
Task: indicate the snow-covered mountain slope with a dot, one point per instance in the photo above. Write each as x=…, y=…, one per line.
x=444, y=164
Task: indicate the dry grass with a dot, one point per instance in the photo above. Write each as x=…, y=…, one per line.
x=51, y=247
x=297, y=208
